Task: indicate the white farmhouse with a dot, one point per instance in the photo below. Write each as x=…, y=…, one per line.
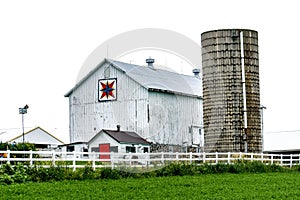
x=163, y=107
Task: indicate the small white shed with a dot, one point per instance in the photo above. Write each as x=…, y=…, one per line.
x=118, y=141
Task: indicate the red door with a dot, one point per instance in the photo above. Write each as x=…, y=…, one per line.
x=104, y=148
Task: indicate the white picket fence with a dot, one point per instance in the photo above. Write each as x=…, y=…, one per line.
x=97, y=160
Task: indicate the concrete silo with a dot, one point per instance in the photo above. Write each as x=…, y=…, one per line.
x=231, y=95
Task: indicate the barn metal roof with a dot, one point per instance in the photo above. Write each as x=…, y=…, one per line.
x=124, y=137
x=153, y=79
x=163, y=80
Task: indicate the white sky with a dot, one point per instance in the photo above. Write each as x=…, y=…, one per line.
x=43, y=45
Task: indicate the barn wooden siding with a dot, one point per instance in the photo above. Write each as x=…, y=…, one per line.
x=172, y=117
x=223, y=91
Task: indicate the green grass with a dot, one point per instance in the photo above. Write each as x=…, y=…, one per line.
x=208, y=186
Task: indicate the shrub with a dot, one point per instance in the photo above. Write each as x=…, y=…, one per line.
x=20, y=173
x=85, y=173
x=41, y=174
x=56, y=173
x=53, y=173
x=275, y=168
x=256, y=167
x=220, y=168
x=6, y=179
x=8, y=169
x=108, y=173
x=177, y=169
x=11, y=174
x=296, y=168
x=206, y=169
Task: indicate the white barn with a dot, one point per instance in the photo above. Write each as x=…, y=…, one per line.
x=161, y=106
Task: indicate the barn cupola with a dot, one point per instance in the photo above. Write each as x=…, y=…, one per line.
x=150, y=62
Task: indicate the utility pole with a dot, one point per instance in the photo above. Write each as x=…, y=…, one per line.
x=23, y=111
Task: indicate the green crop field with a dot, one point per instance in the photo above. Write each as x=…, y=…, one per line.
x=209, y=186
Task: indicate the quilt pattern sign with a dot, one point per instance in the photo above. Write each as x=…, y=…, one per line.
x=107, y=89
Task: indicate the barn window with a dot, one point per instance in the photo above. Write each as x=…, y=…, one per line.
x=70, y=148
x=114, y=149
x=84, y=149
x=130, y=149
x=146, y=149
x=95, y=149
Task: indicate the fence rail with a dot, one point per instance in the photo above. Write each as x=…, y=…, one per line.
x=97, y=160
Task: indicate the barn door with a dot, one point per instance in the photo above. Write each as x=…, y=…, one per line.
x=196, y=137
x=104, y=148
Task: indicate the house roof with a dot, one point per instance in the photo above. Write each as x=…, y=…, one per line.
x=285, y=151
x=37, y=136
x=124, y=137
x=154, y=79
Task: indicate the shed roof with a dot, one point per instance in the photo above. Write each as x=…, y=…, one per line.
x=154, y=79
x=124, y=137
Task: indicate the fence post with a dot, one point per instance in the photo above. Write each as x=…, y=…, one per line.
x=203, y=157
x=229, y=155
x=272, y=161
x=147, y=161
x=94, y=160
x=191, y=157
x=251, y=156
x=177, y=156
x=240, y=155
x=291, y=160
x=111, y=160
x=162, y=158
x=217, y=158
x=262, y=157
x=74, y=161
x=130, y=158
x=8, y=156
x=53, y=158
x=30, y=159
x=281, y=160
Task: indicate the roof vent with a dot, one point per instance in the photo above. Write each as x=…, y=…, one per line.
x=150, y=62
x=196, y=73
